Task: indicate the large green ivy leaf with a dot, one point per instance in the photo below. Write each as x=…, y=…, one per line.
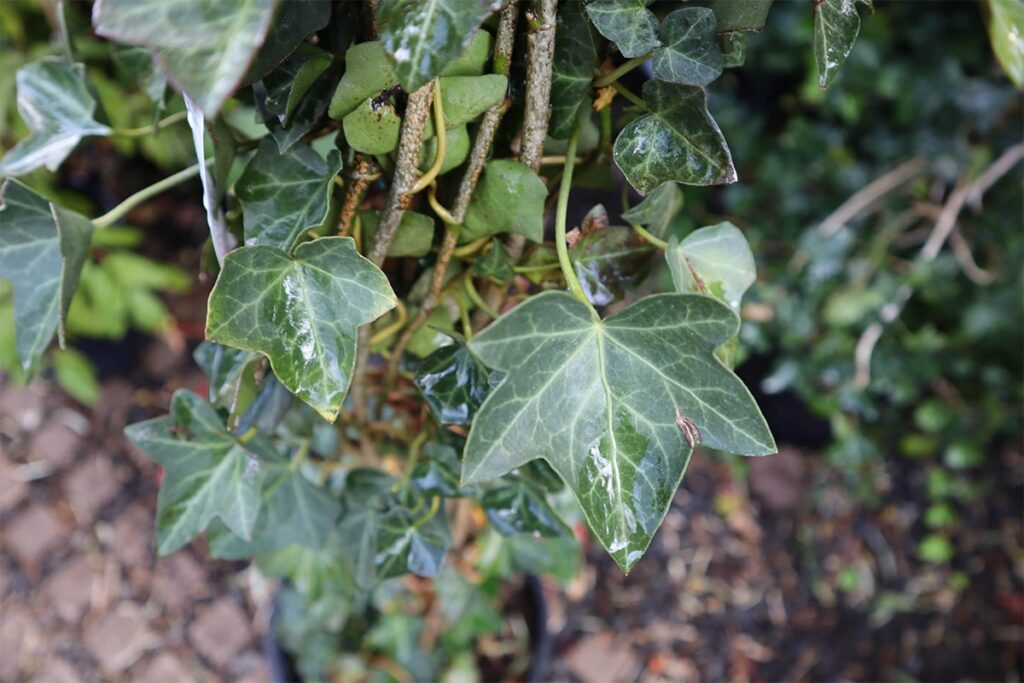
x=454, y=383
x=691, y=55
x=836, y=25
x=300, y=311
x=1006, y=33
x=602, y=402
x=740, y=15
x=42, y=250
x=421, y=37
x=283, y=195
x=294, y=512
x=677, y=141
x=509, y=198
x=414, y=237
x=573, y=68
x=657, y=209
x=715, y=260
x=204, y=46
x=58, y=108
x=627, y=23
x=367, y=72
x=208, y=472
x=295, y=19
x=608, y=261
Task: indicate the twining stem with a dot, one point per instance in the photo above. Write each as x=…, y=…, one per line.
x=622, y=70
x=474, y=296
x=648, y=237
x=573, y=282
x=122, y=209
x=146, y=130
x=630, y=95
x=442, y=142
x=472, y=247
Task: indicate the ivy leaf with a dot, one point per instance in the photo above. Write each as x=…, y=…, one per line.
x=208, y=472
x=467, y=97
x=836, y=25
x=740, y=15
x=294, y=21
x=691, y=55
x=509, y=198
x=285, y=194
x=421, y=37
x=223, y=367
x=374, y=126
x=714, y=260
x=414, y=237
x=657, y=209
x=367, y=72
x=734, y=49
x=437, y=473
x=454, y=384
x=1005, y=28
x=456, y=151
x=287, y=84
x=609, y=260
x=204, y=46
x=56, y=105
x=599, y=401
x=137, y=64
x=496, y=264
x=473, y=60
x=42, y=250
x=573, y=68
x=677, y=141
x=294, y=512
x=300, y=311
x=518, y=507
x=627, y=23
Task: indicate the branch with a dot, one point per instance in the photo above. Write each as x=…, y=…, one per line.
x=867, y=195
x=363, y=172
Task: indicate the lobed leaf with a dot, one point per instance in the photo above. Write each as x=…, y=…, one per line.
x=573, y=68
x=627, y=23
x=454, y=384
x=836, y=25
x=715, y=260
x=293, y=22
x=657, y=209
x=691, y=55
x=740, y=15
x=509, y=198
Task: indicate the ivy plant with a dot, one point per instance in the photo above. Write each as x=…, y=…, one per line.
x=412, y=349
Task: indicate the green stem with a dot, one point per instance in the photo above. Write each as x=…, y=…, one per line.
x=649, y=238
x=146, y=130
x=122, y=209
x=475, y=297
x=622, y=70
x=630, y=95
x=575, y=288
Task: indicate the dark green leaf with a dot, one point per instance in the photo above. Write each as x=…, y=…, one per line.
x=285, y=194
x=137, y=63
x=740, y=15
x=421, y=37
x=715, y=260
x=836, y=25
x=454, y=383
x=609, y=260
x=58, y=108
x=414, y=237
x=204, y=46
x=437, y=472
x=627, y=23
x=601, y=401
x=509, y=198
x=208, y=472
x=517, y=507
x=42, y=250
x=294, y=21
x=496, y=264
x=573, y=69
x=677, y=141
x=288, y=83
x=301, y=312
x=223, y=368
x=657, y=209
x=309, y=108
x=691, y=55
x=734, y=49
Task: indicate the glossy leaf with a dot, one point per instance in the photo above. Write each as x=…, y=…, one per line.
x=518, y=507
x=414, y=237
x=509, y=198
x=627, y=23
x=715, y=260
x=437, y=472
x=204, y=46
x=223, y=368
x=421, y=37
x=657, y=209
x=677, y=141
x=609, y=260
x=1006, y=33
x=42, y=250
x=573, y=68
x=300, y=311
x=691, y=55
x=367, y=72
x=495, y=264
x=454, y=384
x=294, y=21
x=56, y=105
x=740, y=15
x=374, y=126
x=284, y=195
x=287, y=84
x=599, y=401
x=208, y=472
x=836, y=25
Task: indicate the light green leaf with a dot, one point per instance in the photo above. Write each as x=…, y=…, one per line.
x=496, y=264
x=302, y=312
x=204, y=46
x=467, y=97
x=509, y=198
x=677, y=141
x=415, y=233
x=283, y=195
x=740, y=15
x=138, y=64
x=367, y=72
x=421, y=37
x=58, y=108
x=208, y=472
x=715, y=260
x=573, y=69
x=76, y=375
x=691, y=55
x=1006, y=33
x=456, y=151
x=42, y=250
x=657, y=209
x=600, y=401
x=836, y=25
x=374, y=126
x=627, y=23
x=473, y=60
x=294, y=21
